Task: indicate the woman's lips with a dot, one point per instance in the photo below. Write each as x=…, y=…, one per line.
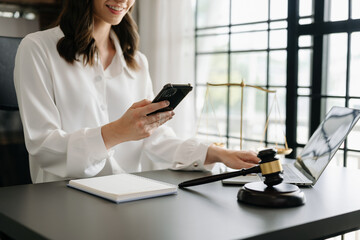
x=115, y=9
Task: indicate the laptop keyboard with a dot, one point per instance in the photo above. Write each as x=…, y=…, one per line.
x=292, y=175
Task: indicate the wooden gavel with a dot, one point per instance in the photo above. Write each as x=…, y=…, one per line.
x=269, y=167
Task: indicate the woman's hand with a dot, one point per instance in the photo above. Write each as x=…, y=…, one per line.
x=135, y=124
x=231, y=158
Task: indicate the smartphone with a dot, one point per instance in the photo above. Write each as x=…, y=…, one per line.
x=174, y=93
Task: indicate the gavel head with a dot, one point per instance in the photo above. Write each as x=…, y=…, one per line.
x=270, y=167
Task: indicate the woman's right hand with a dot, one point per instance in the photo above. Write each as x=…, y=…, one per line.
x=135, y=124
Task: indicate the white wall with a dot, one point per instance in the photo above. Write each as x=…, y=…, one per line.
x=17, y=27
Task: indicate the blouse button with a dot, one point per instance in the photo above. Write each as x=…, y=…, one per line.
x=196, y=164
x=98, y=78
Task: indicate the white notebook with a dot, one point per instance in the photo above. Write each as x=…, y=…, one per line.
x=123, y=187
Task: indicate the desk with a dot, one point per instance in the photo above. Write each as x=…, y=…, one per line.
x=211, y=211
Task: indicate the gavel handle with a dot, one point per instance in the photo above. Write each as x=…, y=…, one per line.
x=218, y=177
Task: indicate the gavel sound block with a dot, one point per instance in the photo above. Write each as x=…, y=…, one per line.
x=272, y=192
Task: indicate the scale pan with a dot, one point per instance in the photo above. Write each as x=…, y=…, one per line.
x=284, y=151
x=219, y=144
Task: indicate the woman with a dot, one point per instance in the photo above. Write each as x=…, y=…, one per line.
x=79, y=89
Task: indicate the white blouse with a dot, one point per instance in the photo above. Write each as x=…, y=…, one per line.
x=63, y=107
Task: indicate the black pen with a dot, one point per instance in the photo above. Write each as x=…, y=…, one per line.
x=221, y=176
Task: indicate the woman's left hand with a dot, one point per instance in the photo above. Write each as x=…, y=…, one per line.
x=231, y=158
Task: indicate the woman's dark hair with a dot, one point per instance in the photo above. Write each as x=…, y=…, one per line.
x=77, y=23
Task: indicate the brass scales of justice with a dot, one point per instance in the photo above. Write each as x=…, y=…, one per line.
x=272, y=192
x=280, y=150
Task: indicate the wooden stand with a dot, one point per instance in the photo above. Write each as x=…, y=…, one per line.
x=279, y=196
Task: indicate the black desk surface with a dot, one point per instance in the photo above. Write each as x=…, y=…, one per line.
x=211, y=211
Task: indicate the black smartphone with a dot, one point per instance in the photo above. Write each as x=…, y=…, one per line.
x=174, y=93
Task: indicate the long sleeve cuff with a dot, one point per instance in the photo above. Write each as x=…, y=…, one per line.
x=90, y=147
x=96, y=143
x=191, y=156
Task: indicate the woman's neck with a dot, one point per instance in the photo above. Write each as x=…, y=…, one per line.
x=101, y=34
x=103, y=42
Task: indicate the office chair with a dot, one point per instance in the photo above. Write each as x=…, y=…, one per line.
x=14, y=163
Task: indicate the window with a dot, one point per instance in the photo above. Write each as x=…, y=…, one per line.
x=238, y=40
x=306, y=50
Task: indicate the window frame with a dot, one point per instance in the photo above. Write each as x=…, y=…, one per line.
x=318, y=29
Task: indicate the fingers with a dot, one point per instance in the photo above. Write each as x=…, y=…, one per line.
x=240, y=159
x=249, y=156
x=155, y=106
x=247, y=165
x=146, y=106
x=150, y=123
x=239, y=164
x=160, y=122
x=141, y=103
x=160, y=117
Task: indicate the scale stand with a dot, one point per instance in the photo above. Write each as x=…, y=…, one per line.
x=279, y=196
x=242, y=85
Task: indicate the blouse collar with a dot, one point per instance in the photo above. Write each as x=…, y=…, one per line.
x=119, y=56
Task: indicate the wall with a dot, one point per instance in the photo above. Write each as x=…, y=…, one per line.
x=17, y=27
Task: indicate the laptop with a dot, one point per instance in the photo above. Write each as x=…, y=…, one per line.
x=317, y=153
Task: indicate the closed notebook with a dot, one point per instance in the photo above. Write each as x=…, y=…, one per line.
x=123, y=187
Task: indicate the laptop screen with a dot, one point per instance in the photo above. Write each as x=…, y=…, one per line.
x=327, y=139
